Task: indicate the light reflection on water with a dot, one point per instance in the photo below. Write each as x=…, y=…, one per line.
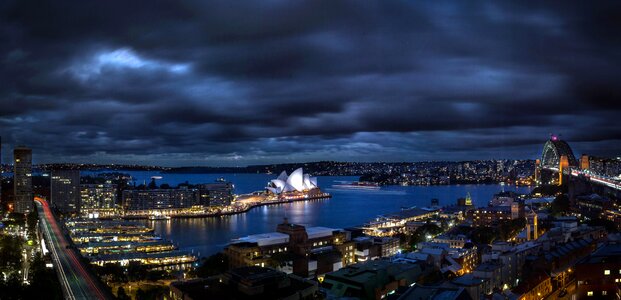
x=346, y=208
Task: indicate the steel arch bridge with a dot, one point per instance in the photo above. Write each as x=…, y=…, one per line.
x=558, y=157
x=553, y=149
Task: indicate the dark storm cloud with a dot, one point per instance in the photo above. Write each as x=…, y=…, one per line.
x=197, y=82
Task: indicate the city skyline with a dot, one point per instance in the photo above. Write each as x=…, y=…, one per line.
x=311, y=149
x=180, y=84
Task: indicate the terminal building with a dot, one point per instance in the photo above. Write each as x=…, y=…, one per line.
x=304, y=251
x=392, y=224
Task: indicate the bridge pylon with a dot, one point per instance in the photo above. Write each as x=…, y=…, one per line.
x=562, y=166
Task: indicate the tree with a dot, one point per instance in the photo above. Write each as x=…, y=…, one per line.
x=280, y=259
x=609, y=225
x=213, y=265
x=43, y=281
x=112, y=272
x=10, y=253
x=32, y=221
x=136, y=271
x=560, y=205
x=421, y=233
x=121, y=295
x=141, y=295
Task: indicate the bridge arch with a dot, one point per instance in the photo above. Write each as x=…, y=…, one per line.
x=553, y=149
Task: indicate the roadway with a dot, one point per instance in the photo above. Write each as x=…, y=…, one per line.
x=75, y=280
x=570, y=295
x=612, y=182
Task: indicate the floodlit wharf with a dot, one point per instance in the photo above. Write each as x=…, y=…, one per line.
x=85, y=237
x=390, y=224
x=94, y=248
x=147, y=259
x=120, y=227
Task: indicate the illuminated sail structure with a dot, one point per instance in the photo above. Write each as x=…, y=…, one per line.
x=297, y=181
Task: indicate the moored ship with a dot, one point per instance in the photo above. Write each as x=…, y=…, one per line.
x=358, y=185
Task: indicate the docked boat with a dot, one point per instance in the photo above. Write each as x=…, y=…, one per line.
x=159, y=217
x=358, y=185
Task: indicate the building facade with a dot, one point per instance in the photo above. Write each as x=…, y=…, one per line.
x=99, y=199
x=304, y=251
x=598, y=276
x=216, y=194
x=159, y=199
x=22, y=180
x=65, y=190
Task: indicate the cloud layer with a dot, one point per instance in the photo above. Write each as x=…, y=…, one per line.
x=217, y=83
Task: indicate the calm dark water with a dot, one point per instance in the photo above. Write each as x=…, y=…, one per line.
x=346, y=208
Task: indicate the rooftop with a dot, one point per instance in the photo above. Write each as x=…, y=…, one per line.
x=319, y=232
x=260, y=280
x=264, y=239
x=488, y=267
x=369, y=271
x=607, y=253
x=409, y=213
x=467, y=280
x=434, y=292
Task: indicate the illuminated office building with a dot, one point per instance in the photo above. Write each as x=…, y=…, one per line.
x=22, y=179
x=65, y=190
x=98, y=199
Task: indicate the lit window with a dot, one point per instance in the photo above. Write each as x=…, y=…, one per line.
x=604, y=293
x=590, y=293
x=606, y=272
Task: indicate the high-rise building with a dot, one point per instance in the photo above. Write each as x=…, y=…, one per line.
x=157, y=199
x=216, y=194
x=22, y=179
x=65, y=190
x=99, y=199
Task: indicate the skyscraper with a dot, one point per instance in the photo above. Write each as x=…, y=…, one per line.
x=22, y=179
x=216, y=194
x=65, y=190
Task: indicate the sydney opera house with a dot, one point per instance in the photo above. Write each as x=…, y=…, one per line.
x=297, y=185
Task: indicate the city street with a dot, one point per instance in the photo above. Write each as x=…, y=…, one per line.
x=76, y=281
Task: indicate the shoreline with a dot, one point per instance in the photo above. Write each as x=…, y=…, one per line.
x=220, y=214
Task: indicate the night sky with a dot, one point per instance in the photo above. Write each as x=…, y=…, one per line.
x=229, y=83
